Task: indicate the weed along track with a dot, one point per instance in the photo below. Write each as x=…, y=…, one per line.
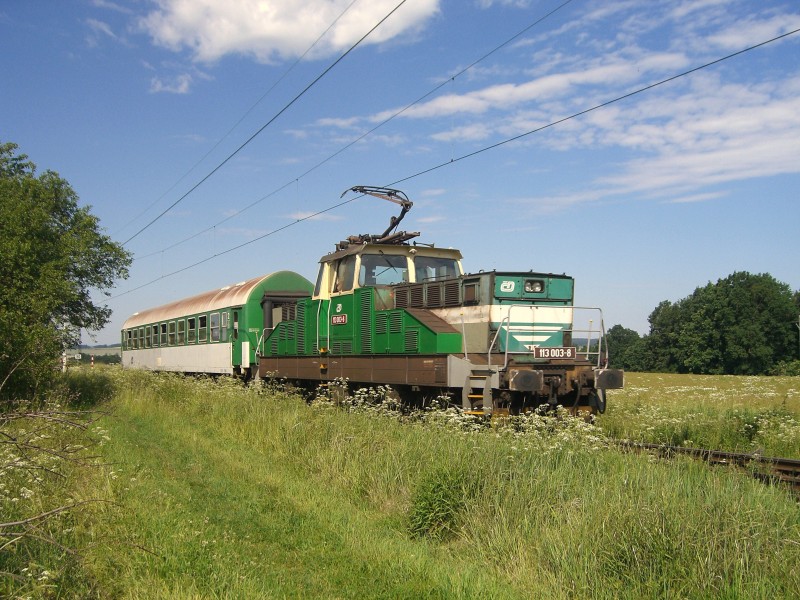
x=766, y=468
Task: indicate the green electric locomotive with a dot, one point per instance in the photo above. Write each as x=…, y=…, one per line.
x=390, y=312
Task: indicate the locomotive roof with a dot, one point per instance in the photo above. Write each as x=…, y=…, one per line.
x=237, y=294
x=402, y=249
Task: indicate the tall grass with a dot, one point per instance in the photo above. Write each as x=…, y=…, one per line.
x=738, y=414
x=225, y=491
x=240, y=492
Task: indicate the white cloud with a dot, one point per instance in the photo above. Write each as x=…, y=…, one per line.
x=709, y=135
x=618, y=70
x=112, y=6
x=274, y=31
x=752, y=31
x=697, y=198
x=179, y=84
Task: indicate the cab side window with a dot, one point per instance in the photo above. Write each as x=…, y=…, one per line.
x=345, y=273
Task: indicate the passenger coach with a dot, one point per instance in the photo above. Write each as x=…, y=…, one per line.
x=214, y=332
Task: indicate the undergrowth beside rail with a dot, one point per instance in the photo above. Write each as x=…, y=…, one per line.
x=216, y=490
x=721, y=412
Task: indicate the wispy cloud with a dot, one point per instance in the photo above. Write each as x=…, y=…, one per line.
x=275, y=31
x=179, y=84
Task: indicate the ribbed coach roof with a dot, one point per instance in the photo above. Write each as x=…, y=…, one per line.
x=236, y=294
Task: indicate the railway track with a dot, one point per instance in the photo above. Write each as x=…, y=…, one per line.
x=765, y=468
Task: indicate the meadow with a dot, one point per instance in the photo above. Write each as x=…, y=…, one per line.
x=209, y=489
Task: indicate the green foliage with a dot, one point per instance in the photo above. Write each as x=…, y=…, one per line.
x=786, y=367
x=52, y=254
x=441, y=497
x=740, y=325
x=626, y=349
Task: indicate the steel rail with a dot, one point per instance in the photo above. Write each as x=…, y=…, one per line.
x=782, y=470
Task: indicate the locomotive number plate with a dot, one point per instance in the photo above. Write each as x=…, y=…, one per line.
x=560, y=352
x=339, y=319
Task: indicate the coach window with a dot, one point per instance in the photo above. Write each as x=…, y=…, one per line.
x=181, y=332
x=155, y=336
x=192, y=329
x=163, y=334
x=148, y=337
x=223, y=327
x=235, y=325
x=214, y=327
x=172, y=333
x=345, y=272
x=135, y=339
x=201, y=333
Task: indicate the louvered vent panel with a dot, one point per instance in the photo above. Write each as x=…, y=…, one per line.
x=300, y=312
x=284, y=331
x=416, y=297
x=434, y=295
x=401, y=297
x=452, y=293
x=366, y=330
x=381, y=323
x=412, y=340
x=288, y=312
x=343, y=347
x=395, y=322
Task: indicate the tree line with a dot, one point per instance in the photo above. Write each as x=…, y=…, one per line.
x=744, y=324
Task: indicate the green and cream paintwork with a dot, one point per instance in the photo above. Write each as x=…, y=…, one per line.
x=214, y=332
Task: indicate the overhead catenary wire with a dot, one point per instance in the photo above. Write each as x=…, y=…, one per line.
x=363, y=135
x=267, y=124
x=469, y=155
x=243, y=117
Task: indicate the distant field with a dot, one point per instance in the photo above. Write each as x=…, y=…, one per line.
x=723, y=412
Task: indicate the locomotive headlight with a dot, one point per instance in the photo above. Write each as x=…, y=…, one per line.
x=534, y=286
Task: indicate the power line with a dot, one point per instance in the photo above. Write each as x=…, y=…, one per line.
x=267, y=124
x=472, y=154
x=362, y=136
x=244, y=116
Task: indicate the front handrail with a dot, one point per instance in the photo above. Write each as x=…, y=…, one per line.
x=588, y=352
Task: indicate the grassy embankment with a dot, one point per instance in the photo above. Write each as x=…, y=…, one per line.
x=224, y=492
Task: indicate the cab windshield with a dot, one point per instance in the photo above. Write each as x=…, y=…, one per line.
x=382, y=269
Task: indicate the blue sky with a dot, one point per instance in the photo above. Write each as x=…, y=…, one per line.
x=641, y=201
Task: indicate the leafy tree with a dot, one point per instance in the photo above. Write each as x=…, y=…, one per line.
x=741, y=325
x=52, y=254
x=626, y=349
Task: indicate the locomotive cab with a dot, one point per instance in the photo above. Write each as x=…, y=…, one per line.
x=382, y=267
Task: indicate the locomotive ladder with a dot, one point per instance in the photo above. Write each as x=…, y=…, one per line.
x=478, y=390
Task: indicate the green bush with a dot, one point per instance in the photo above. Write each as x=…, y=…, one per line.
x=787, y=368
x=441, y=497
